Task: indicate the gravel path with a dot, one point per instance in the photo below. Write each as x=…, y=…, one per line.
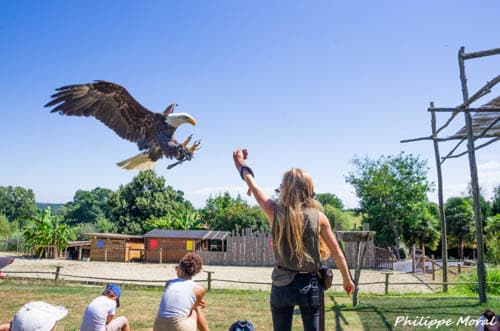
x=156, y=274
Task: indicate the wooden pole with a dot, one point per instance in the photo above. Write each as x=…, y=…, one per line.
x=481, y=268
x=161, y=253
x=442, y=218
x=58, y=271
x=360, y=253
x=433, y=268
x=413, y=260
x=209, y=280
x=387, y=274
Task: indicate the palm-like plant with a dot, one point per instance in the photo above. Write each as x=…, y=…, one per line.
x=493, y=238
x=45, y=231
x=178, y=219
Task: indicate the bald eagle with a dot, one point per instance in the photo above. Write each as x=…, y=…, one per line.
x=111, y=104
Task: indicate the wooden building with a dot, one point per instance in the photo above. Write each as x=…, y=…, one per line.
x=78, y=250
x=115, y=247
x=171, y=245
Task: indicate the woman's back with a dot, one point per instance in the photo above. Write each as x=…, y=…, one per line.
x=285, y=256
x=178, y=298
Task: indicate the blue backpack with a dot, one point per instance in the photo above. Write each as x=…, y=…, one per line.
x=241, y=325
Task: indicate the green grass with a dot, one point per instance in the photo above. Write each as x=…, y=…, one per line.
x=492, y=282
x=374, y=312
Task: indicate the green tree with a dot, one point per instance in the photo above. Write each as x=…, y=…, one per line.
x=329, y=199
x=493, y=239
x=388, y=188
x=484, y=206
x=225, y=213
x=46, y=230
x=5, y=228
x=423, y=229
x=459, y=223
x=145, y=198
x=88, y=206
x=495, y=205
x=17, y=203
x=337, y=216
x=102, y=225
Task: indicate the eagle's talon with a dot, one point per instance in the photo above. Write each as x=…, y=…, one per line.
x=194, y=147
x=187, y=141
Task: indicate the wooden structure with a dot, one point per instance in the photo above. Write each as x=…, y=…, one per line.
x=115, y=247
x=78, y=250
x=247, y=249
x=360, y=240
x=480, y=123
x=170, y=245
x=384, y=258
x=255, y=249
x=350, y=246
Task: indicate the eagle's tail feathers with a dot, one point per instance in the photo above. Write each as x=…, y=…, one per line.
x=139, y=162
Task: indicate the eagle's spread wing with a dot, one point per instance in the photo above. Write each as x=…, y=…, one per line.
x=111, y=104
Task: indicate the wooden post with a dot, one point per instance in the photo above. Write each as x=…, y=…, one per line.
x=161, y=253
x=387, y=274
x=459, y=269
x=209, y=280
x=106, y=255
x=433, y=269
x=442, y=219
x=80, y=253
x=357, y=272
x=58, y=271
x=413, y=261
x=481, y=268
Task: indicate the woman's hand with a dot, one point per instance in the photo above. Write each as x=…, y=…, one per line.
x=239, y=157
x=348, y=286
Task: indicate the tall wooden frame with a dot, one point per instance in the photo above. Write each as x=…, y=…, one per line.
x=484, y=124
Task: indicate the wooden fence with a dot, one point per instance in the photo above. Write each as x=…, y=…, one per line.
x=384, y=258
x=59, y=277
x=255, y=249
x=248, y=249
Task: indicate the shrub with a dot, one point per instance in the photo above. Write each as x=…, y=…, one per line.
x=492, y=276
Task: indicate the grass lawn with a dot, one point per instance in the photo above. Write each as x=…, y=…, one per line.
x=375, y=312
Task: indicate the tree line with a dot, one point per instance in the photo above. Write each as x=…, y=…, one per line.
x=393, y=199
x=392, y=192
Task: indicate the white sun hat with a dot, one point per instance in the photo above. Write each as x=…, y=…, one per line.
x=37, y=316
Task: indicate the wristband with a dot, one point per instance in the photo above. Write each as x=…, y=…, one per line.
x=247, y=168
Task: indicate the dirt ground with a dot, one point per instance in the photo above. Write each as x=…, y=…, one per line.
x=223, y=276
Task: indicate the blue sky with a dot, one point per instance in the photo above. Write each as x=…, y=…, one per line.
x=307, y=84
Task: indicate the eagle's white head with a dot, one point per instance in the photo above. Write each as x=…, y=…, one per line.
x=176, y=119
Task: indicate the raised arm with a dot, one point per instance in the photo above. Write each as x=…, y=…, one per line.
x=267, y=205
x=337, y=255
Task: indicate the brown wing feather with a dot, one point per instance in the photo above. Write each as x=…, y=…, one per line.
x=111, y=104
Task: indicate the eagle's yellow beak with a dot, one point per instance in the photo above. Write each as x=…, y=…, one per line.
x=192, y=121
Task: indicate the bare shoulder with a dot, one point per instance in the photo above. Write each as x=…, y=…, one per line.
x=323, y=220
x=199, y=290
